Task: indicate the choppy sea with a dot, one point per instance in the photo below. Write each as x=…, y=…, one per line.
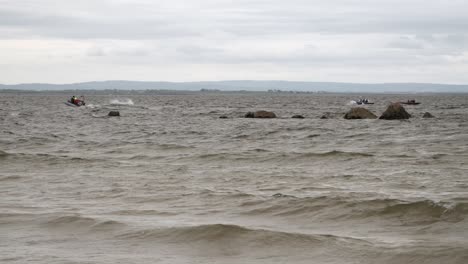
x=170, y=182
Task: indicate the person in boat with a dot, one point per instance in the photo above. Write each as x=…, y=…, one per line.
x=81, y=100
x=72, y=100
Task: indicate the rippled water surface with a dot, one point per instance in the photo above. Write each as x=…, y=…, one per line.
x=170, y=182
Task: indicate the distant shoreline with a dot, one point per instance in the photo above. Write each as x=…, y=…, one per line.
x=192, y=92
x=245, y=86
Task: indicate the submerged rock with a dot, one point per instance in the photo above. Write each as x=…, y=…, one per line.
x=114, y=113
x=298, y=116
x=395, y=111
x=260, y=114
x=428, y=115
x=359, y=113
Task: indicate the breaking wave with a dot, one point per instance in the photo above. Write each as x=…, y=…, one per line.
x=336, y=208
x=122, y=101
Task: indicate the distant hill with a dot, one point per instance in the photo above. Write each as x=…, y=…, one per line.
x=248, y=86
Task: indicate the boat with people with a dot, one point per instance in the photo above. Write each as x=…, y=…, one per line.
x=410, y=102
x=363, y=101
x=74, y=101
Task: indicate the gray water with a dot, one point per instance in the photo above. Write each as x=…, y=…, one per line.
x=170, y=182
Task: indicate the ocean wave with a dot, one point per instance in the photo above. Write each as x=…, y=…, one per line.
x=261, y=155
x=282, y=246
x=10, y=178
x=15, y=218
x=75, y=222
x=143, y=213
x=336, y=208
x=426, y=210
x=335, y=153
x=145, y=157
x=172, y=146
x=70, y=220
x=4, y=154
x=219, y=233
x=49, y=157
x=224, y=156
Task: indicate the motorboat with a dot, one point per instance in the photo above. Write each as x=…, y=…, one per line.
x=363, y=101
x=77, y=102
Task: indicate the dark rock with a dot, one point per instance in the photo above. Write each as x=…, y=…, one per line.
x=264, y=114
x=260, y=114
x=280, y=195
x=395, y=111
x=324, y=117
x=298, y=116
x=428, y=115
x=249, y=115
x=114, y=113
x=223, y=117
x=359, y=113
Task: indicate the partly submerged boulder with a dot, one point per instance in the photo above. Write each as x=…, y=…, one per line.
x=359, y=113
x=249, y=115
x=395, y=111
x=260, y=114
x=114, y=113
x=298, y=116
x=264, y=114
x=428, y=115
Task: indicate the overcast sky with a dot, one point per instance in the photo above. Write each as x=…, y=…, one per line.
x=191, y=40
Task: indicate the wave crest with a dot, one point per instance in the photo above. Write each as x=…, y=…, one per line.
x=215, y=233
x=78, y=222
x=341, y=208
x=122, y=101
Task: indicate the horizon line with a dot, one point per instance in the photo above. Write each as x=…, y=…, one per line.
x=238, y=80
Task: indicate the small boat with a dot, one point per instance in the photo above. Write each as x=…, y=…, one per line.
x=410, y=102
x=363, y=101
x=76, y=102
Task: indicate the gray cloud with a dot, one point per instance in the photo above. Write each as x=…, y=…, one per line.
x=147, y=20
x=298, y=34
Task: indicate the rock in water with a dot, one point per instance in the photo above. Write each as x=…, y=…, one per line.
x=264, y=114
x=428, y=115
x=298, y=116
x=249, y=115
x=395, y=111
x=260, y=114
x=223, y=117
x=359, y=113
x=114, y=113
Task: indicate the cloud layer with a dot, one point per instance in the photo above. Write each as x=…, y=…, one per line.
x=339, y=40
